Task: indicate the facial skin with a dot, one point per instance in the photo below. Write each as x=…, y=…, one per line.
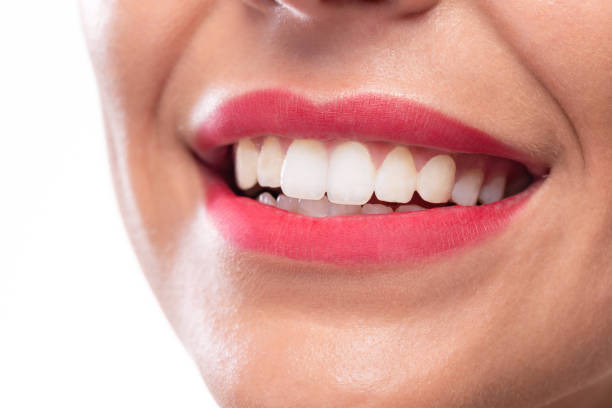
x=521, y=321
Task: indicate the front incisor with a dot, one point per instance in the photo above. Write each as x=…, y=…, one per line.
x=351, y=174
x=304, y=172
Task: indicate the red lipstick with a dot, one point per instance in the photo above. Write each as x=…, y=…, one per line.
x=369, y=117
x=347, y=240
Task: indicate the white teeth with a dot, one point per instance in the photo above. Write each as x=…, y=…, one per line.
x=270, y=163
x=341, y=209
x=409, y=208
x=314, y=208
x=316, y=185
x=493, y=188
x=304, y=171
x=287, y=203
x=467, y=187
x=267, y=198
x=246, y=155
x=376, y=209
x=396, y=178
x=436, y=179
x=351, y=174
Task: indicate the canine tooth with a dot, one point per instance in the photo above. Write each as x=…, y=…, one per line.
x=467, y=187
x=267, y=198
x=270, y=163
x=409, y=208
x=435, y=180
x=343, y=209
x=287, y=203
x=351, y=174
x=493, y=188
x=245, y=163
x=314, y=208
x=396, y=177
x=304, y=171
x=376, y=209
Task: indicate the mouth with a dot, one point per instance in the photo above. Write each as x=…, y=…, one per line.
x=367, y=179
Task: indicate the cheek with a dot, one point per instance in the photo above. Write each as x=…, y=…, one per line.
x=549, y=38
x=134, y=49
x=566, y=45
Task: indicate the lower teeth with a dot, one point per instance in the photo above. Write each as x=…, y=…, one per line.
x=324, y=208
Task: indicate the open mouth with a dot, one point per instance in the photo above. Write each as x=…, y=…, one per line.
x=365, y=179
x=343, y=178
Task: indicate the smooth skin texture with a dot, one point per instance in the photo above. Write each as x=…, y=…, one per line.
x=522, y=320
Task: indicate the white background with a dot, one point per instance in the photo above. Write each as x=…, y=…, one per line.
x=78, y=324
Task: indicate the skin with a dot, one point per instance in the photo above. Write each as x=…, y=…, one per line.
x=522, y=320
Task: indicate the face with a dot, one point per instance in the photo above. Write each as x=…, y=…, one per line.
x=370, y=203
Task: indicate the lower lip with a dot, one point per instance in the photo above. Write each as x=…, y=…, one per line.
x=354, y=240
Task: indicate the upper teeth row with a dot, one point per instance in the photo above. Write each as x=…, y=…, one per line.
x=307, y=169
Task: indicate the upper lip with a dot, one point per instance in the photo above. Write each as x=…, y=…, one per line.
x=365, y=117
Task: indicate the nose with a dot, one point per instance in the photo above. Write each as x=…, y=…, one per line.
x=322, y=8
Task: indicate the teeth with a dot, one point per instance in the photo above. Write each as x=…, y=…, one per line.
x=396, y=178
x=409, y=208
x=342, y=209
x=493, y=188
x=314, y=208
x=267, y=198
x=351, y=174
x=436, y=179
x=316, y=185
x=287, y=203
x=304, y=171
x=270, y=163
x=246, y=164
x=467, y=187
x=376, y=209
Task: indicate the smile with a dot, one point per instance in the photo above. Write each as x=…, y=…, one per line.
x=368, y=179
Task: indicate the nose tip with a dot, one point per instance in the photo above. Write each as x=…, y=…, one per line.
x=321, y=8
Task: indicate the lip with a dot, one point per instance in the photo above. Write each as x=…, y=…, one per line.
x=348, y=240
x=367, y=117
